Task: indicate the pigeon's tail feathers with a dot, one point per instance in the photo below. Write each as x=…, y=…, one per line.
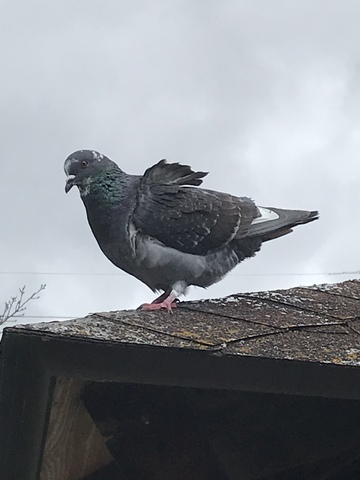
x=275, y=222
x=172, y=174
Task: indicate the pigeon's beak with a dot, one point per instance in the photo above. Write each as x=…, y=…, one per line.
x=69, y=183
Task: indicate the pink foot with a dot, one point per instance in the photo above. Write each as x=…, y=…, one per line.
x=168, y=304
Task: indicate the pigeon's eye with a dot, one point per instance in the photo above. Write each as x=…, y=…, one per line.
x=84, y=164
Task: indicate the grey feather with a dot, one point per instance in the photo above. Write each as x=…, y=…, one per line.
x=165, y=231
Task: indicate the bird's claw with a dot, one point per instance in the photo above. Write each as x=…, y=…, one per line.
x=167, y=305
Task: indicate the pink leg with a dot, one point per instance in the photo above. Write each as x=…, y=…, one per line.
x=168, y=303
x=162, y=297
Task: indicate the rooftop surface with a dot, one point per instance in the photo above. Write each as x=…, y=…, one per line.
x=302, y=342
x=315, y=324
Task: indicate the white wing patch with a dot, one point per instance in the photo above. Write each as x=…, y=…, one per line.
x=132, y=231
x=266, y=216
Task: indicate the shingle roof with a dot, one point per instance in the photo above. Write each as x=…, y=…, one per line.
x=314, y=324
x=303, y=341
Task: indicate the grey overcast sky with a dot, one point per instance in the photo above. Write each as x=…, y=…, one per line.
x=264, y=95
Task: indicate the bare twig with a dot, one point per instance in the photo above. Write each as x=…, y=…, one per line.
x=17, y=305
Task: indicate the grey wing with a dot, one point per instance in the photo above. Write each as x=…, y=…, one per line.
x=276, y=222
x=271, y=223
x=188, y=219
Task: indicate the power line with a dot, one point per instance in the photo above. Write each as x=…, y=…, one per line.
x=90, y=274
x=64, y=317
x=45, y=317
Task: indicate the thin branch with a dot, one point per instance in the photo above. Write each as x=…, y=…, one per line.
x=16, y=306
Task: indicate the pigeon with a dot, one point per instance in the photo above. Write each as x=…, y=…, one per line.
x=164, y=230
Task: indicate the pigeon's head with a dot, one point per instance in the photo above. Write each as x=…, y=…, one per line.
x=81, y=166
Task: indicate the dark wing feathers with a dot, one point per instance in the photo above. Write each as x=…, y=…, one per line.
x=197, y=221
x=246, y=245
x=283, y=224
x=185, y=218
x=172, y=174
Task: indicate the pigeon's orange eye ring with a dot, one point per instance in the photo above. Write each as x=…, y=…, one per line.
x=84, y=164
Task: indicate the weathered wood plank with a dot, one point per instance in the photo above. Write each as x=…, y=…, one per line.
x=74, y=447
